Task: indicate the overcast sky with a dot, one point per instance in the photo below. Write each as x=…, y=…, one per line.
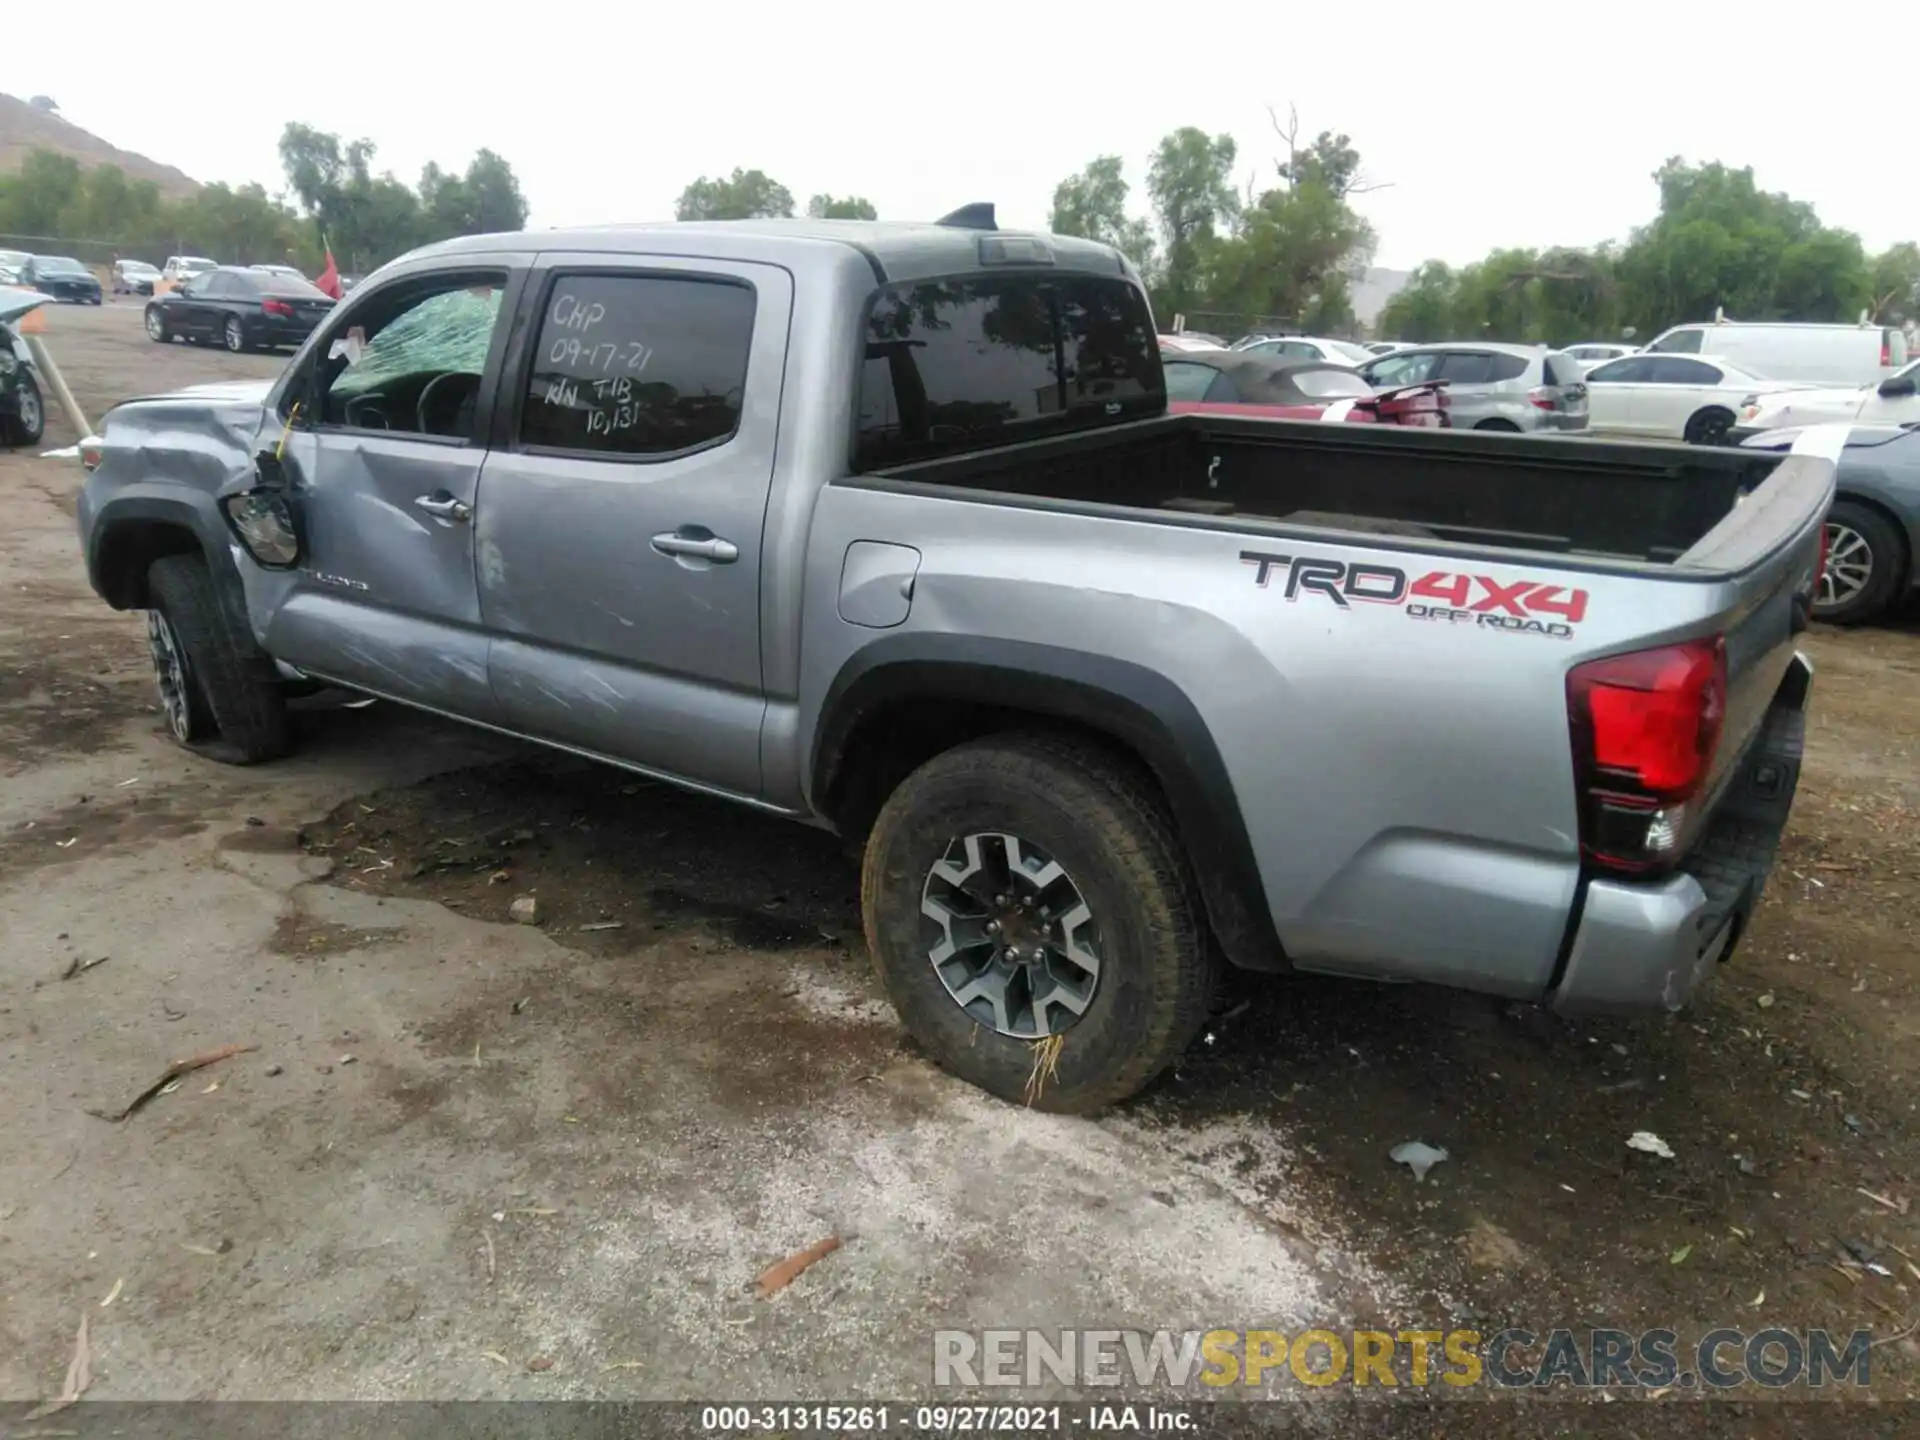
x=1495, y=123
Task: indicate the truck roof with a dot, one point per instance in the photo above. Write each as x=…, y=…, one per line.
x=897, y=250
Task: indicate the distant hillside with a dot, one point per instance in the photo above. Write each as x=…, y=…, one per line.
x=1371, y=293
x=24, y=129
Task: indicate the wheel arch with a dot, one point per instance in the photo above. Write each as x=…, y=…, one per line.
x=905, y=698
x=134, y=531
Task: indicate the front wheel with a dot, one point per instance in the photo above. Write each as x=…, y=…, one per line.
x=29, y=420
x=1035, y=923
x=157, y=330
x=217, y=692
x=1865, y=565
x=236, y=334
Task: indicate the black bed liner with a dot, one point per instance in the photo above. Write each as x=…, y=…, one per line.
x=1565, y=494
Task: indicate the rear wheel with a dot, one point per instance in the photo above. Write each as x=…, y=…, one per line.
x=1709, y=427
x=1866, y=565
x=235, y=334
x=216, y=691
x=29, y=420
x=1504, y=425
x=1035, y=923
x=157, y=329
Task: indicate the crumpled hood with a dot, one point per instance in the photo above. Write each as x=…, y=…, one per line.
x=215, y=392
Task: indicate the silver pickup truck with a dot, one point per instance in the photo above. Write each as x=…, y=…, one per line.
x=886, y=528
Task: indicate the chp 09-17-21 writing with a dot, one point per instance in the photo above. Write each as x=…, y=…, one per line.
x=584, y=367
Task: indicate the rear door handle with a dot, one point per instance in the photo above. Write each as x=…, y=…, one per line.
x=445, y=506
x=696, y=544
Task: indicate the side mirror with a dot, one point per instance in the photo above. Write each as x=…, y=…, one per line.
x=1894, y=386
x=263, y=522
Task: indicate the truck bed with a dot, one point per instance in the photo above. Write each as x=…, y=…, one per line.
x=1644, y=503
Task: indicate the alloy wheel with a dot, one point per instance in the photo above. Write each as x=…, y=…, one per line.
x=1010, y=935
x=1849, y=566
x=170, y=675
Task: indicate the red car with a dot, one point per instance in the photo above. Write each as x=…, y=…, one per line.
x=1229, y=382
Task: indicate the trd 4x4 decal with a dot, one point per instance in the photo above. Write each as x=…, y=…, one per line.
x=1525, y=607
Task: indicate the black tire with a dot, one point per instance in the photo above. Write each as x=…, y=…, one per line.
x=29, y=421
x=234, y=335
x=234, y=710
x=1885, y=572
x=158, y=330
x=1506, y=426
x=1708, y=426
x=1105, y=823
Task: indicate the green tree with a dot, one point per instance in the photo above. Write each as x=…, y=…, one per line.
x=1719, y=242
x=743, y=195
x=1093, y=206
x=1422, y=309
x=1193, y=199
x=1295, y=254
x=1896, y=283
x=38, y=198
x=831, y=207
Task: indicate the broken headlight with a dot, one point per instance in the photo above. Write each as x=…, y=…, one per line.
x=263, y=521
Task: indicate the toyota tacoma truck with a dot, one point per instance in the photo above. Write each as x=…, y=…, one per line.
x=887, y=529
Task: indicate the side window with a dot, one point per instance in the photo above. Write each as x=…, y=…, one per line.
x=1506, y=367
x=1405, y=368
x=639, y=365
x=1188, y=381
x=1680, y=342
x=1466, y=367
x=222, y=286
x=410, y=358
x=1683, y=372
x=983, y=360
x=1299, y=350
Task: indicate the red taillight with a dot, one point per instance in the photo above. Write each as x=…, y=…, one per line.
x=1886, y=350
x=1645, y=727
x=277, y=307
x=1540, y=398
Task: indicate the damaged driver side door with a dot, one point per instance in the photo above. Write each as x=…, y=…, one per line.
x=385, y=438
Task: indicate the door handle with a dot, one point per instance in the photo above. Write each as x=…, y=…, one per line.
x=442, y=504
x=702, y=546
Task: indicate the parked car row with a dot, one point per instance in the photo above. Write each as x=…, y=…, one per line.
x=60, y=276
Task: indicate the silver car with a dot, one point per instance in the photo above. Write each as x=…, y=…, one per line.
x=1493, y=387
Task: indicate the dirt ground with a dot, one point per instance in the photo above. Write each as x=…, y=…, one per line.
x=475, y=1159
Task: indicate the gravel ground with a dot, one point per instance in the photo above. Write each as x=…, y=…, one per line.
x=558, y=1156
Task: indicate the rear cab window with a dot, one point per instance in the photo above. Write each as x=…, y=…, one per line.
x=982, y=360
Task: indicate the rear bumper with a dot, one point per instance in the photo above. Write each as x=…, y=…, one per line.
x=1648, y=946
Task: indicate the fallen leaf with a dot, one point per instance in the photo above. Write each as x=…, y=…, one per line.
x=496, y=1356
x=623, y=1365
x=1757, y=1301
x=539, y=1363
x=777, y=1277
x=198, y=1249
x=1680, y=1255
x=114, y=1293
x=171, y=1077
x=79, y=1377
x=532, y=1210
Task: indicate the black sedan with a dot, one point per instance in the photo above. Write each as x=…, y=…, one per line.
x=241, y=308
x=62, y=277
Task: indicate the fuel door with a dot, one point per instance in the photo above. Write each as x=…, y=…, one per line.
x=876, y=583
